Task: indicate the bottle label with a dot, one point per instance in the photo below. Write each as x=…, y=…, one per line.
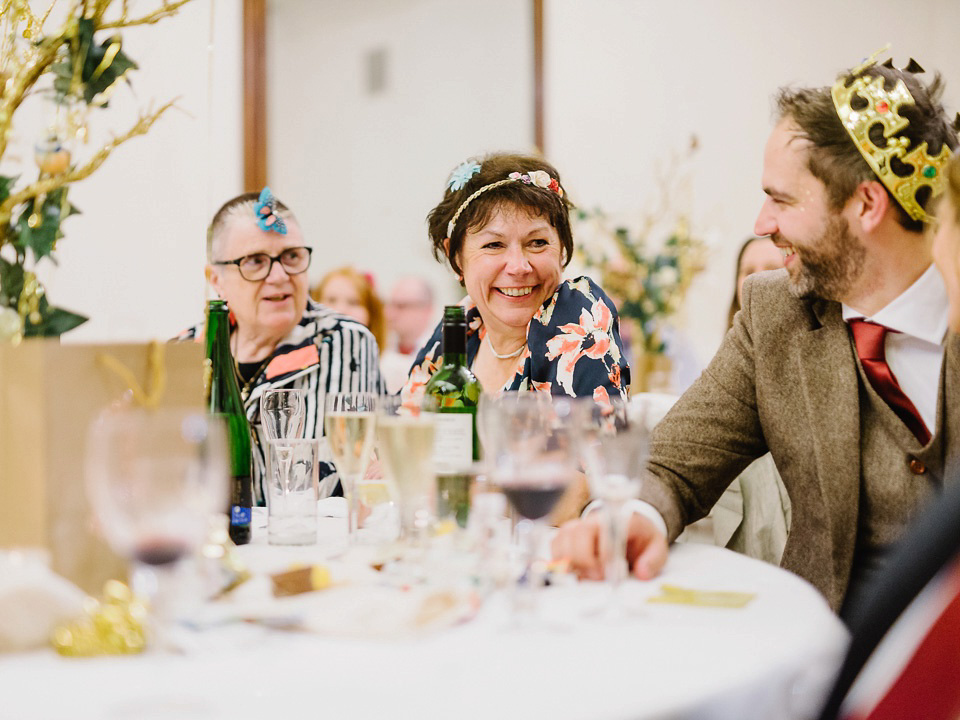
x=453, y=443
x=240, y=515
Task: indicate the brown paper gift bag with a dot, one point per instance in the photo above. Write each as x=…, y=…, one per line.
x=49, y=394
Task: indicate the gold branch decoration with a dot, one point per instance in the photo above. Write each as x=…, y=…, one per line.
x=78, y=65
x=150, y=19
x=48, y=185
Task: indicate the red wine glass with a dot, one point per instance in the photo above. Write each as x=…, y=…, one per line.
x=155, y=478
x=537, y=462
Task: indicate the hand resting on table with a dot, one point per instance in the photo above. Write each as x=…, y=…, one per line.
x=584, y=543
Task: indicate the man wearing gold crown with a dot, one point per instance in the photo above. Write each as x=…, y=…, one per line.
x=840, y=366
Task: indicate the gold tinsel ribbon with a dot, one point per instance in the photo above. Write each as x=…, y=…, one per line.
x=151, y=392
x=114, y=625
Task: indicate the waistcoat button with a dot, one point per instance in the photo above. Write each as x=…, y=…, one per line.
x=917, y=467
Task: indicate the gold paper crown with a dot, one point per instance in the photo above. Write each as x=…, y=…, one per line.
x=883, y=107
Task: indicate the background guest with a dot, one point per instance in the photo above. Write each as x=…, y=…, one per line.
x=351, y=293
x=410, y=319
x=257, y=260
x=757, y=254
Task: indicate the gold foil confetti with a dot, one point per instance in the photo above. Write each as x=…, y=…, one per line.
x=115, y=625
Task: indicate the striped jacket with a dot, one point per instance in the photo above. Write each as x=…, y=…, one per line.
x=324, y=353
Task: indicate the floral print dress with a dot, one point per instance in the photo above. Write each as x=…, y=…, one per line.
x=573, y=347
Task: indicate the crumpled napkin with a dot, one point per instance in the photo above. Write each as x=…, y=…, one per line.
x=33, y=600
x=356, y=601
x=360, y=611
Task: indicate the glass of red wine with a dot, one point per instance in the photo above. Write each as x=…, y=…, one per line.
x=537, y=462
x=155, y=478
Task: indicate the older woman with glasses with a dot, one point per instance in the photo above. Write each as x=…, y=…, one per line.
x=257, y=260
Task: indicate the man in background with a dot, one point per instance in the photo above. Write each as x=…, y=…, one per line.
x=410, y=320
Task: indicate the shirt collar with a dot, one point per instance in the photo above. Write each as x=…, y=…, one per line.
x=919, y=311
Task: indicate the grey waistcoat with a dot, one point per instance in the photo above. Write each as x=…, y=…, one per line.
x=891, y=487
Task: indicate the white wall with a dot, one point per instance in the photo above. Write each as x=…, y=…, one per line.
x=628, y=82
x=133, y=261
x=362, y=170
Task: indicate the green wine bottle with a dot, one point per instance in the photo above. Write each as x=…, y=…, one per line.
x=457, y=392
x=223, y=399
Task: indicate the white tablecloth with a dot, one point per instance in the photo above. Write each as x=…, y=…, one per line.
x=772, y=659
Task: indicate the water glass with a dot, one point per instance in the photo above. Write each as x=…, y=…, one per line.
x=282, y=413
x=614, y=444
x=292, y=491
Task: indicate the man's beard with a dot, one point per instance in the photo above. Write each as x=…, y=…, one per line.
x=831, y=266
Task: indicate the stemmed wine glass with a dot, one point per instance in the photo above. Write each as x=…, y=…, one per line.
x=349, y=421
x=536, y=462
x=614, y=443
x=155, y=478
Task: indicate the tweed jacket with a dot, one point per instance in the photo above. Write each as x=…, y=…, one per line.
x=786, y=380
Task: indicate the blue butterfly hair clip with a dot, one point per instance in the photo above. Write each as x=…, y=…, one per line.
x=266, y=211
x=461, y=174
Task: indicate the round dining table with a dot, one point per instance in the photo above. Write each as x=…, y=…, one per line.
x=774, y=657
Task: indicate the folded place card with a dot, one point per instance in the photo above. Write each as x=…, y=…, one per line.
x=674, y=595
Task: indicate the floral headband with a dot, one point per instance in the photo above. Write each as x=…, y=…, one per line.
x=266, y=211
x=460, y=176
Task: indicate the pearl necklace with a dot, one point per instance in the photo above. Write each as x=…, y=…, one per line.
x=514, y=354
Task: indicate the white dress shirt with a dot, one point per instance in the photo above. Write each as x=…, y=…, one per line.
x=915, y=352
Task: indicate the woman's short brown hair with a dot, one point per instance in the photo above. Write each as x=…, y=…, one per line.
x=533, y=199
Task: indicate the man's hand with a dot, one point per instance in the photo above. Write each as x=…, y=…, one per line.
x=585, y=544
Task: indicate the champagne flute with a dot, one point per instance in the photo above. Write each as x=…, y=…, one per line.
x=614, y=444
x=154, y=479
x=349, y=421
x=537, y=463
x=405, y=437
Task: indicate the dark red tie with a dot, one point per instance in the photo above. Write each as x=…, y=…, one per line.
x=869, y=338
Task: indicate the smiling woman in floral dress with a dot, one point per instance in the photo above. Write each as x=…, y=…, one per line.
x=503, y=227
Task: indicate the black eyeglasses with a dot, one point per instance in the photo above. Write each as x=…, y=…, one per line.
x=257, y=266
